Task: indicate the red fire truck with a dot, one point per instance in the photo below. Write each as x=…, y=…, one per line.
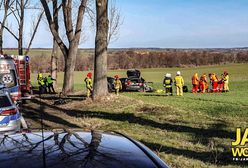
x=15, y=75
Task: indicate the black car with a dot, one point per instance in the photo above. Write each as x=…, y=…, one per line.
x=133, y=73
x=75, y=149
x=111, y=87
x=134, y=82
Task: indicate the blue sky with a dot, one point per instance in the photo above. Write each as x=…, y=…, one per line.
x=174, y=24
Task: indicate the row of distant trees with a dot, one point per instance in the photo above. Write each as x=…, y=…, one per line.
x=126, y=59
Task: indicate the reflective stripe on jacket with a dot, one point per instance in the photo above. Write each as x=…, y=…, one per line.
x=117, y=84
x=89, y=83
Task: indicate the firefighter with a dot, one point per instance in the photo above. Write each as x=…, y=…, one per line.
x=89, y=84
x=117, y=84
x=195, y=83
x=50, y=84
x=179, y=82
x=221, y=83
x=214, y=80
x=42, y=86
x=226, y=81
x=168, y=84
x=203, y=83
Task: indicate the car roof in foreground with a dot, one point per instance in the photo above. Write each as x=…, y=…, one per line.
x=75, y=149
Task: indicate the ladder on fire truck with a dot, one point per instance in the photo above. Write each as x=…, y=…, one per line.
x=22, y=72
x=21, y=63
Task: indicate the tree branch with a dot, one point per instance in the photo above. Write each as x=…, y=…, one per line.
x=34, y=32
x=52, y=27
x=11, y=33
x=79, y=23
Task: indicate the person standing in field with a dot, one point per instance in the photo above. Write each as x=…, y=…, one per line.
x=203, y=83
x=195, y=83
x=117, y=84
x=50, y=84
x=168, y=84
x=226, y=82
x=89, y=84
x=214, y=80
x=179, y=82
x=41, y=83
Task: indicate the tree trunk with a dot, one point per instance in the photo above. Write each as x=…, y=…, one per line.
x=2, y=24
x=68, y=85
x=54, y=62
x=100, y=62
x=55, y=52
x=1, y=40
x=20, y=41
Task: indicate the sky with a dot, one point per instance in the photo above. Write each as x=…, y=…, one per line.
x=168, y=24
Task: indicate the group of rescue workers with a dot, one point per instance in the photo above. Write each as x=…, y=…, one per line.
x=216, y=84
x=45, y=83
x=89, y=84
x=199, y=85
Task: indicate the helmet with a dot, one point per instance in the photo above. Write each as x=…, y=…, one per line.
x=167, y=75
x=178, y=73
x=89, y=74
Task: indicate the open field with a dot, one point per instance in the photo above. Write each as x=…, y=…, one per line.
x=195, y=130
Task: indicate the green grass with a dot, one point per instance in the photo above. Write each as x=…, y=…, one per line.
x=195, y=130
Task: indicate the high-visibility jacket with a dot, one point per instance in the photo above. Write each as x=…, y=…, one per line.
x=41, y=81
x=214, y=78
x=203, y=79
x=226, y=78
x=39, y=76
x=167, y=82
x=195, y=80
x=117, y=84
x=88, y=82
x=179, y=81
x=50, y=80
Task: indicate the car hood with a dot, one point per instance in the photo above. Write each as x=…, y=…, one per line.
x=73, y=149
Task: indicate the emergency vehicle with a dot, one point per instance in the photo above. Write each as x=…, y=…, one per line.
x=15, y=75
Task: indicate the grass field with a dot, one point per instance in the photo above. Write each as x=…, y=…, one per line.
x=195, y=130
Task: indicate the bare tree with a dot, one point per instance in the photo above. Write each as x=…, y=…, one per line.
x=73, y=34
x=17, y=9
x=101, y=44
x=115, y=22
x=5, y=4
x=34, y=31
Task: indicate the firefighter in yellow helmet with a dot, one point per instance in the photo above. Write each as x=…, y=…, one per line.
x=89, y=84
x=117, y=84
x=179, y=82
x=41, y=82
x=226, y=82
